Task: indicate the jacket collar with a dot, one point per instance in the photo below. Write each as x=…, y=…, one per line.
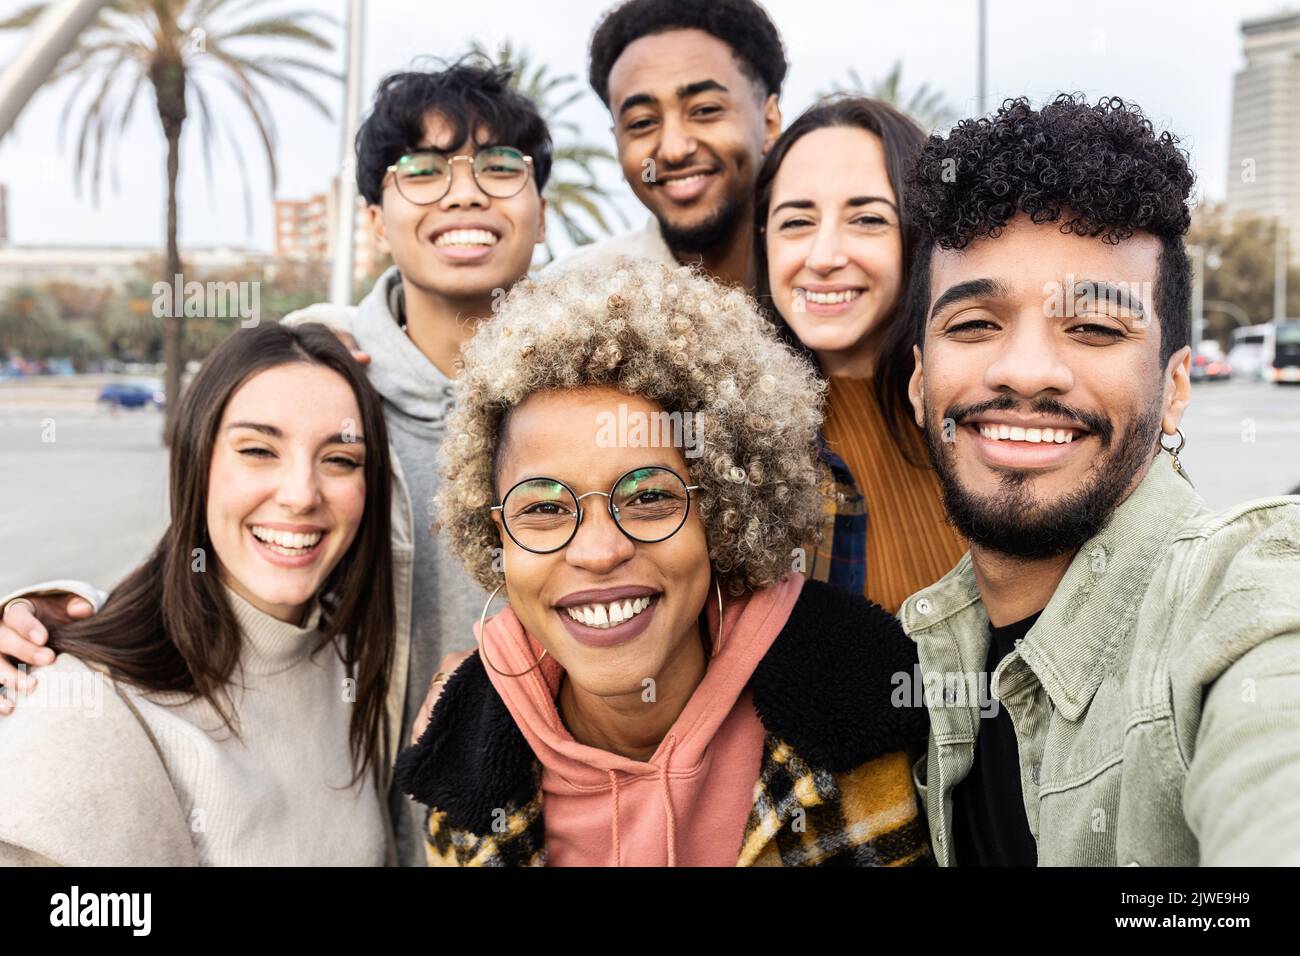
x=826, y=692
x=1093, y=610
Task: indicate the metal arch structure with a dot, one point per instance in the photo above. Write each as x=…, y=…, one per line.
x=52, y=35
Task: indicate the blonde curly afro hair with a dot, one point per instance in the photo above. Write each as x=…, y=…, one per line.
x=671, y=336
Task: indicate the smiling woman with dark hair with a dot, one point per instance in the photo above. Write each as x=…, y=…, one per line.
x=237, y=683
x=635, y=468
x=832, y=243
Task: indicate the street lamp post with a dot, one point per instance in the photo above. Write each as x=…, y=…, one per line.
x=345, y=226
x=1202, y=259
x=1280, y=261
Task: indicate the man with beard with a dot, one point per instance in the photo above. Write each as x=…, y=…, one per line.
x=693, y=91
x=1144, y=652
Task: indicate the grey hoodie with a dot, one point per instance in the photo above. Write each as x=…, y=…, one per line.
x=442, y=602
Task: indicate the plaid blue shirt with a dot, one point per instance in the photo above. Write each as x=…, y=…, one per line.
x=841, y=558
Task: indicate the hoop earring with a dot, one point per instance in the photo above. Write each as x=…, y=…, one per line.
x=482, y=642
x=717, y=645
x=1173, y=452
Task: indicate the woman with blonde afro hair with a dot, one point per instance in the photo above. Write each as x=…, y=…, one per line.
x=633, y=461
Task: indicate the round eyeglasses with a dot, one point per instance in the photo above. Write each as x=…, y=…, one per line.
x=424, y=177
x=542, y=515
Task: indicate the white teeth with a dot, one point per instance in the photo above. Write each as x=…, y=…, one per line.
x=466, y=237
x=1059, y=436
x=608, y=615
x=687, y=179
x=286, y=542
x=829, y=298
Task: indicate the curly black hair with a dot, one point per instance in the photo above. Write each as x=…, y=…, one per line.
x=1101, y=170
x=741, y=24
x=469, y=94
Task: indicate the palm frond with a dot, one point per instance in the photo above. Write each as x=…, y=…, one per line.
x=23, y=18
x=279, y=28
x=205, y=135
x=263, y=69
x=92, y=119
x=262, y=122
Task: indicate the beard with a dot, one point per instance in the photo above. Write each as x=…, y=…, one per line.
x=709, y=234
x=1010, y=519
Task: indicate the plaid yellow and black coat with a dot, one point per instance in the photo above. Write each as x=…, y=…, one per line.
x=834, y=785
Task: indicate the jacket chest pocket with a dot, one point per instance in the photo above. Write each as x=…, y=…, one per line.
x=1079, y=784
x=1078, y=822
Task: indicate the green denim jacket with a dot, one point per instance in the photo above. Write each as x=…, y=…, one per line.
x=1156, y=700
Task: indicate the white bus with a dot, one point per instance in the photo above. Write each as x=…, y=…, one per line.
x=1251, y=355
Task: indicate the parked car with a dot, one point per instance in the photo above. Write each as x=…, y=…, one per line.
x=138, y=393
x=1209, y=363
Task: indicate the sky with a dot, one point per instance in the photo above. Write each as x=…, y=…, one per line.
x=1176, y=58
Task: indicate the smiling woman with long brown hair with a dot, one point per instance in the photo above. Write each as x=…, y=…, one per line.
x=833, y=237
x=228, y=705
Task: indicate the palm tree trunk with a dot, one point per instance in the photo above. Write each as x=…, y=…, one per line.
x=173, y=323
x=169, y=86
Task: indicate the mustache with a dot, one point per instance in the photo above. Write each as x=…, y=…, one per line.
x=1099, y=425
x=701, y=157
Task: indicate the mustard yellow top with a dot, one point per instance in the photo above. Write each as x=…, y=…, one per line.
x=910, y=544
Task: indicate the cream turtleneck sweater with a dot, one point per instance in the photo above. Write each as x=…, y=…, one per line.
x=278, y=794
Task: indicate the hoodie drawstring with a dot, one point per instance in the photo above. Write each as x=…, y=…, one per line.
x=613, y=823
x=670, y=818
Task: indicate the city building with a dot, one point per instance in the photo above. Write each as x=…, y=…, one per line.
x=1263, y=175
x=112, y=266
x=304, y=231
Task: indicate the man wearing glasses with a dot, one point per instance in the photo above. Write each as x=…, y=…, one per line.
x=452, y=165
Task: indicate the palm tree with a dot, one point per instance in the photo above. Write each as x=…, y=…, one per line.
x=180, y=48
x=925, y=105
x=572, y=188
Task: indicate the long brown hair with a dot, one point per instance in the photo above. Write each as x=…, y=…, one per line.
x=900, y=139
x=166, y=628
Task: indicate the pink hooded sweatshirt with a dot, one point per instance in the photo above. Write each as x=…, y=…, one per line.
x=688, y=804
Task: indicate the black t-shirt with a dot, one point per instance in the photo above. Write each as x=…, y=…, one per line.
x=989, y=822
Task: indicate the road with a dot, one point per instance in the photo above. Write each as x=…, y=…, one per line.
x=90, y=503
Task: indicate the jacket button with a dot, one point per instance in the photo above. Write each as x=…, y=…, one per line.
x=923, y=606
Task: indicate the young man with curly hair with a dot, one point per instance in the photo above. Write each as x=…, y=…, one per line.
x=1143, y=652
x=693, y=91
